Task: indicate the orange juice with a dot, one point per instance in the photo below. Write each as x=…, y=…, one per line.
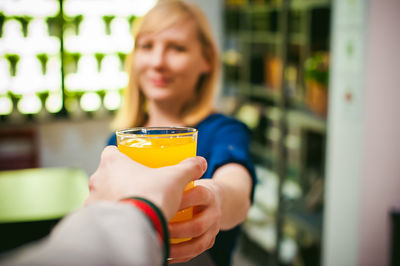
x=161, y=152
x=159, y=149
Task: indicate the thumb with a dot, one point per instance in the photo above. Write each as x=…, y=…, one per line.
x=191, y=168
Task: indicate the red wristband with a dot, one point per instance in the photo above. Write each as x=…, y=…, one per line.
x=148, y=210
x=156, y=217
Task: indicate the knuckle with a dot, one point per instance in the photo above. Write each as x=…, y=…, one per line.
x=109, y=151
x=108, y=156
x=198, y=228
x=206, y=194
x=212, y=242
x=216, y=231
x=203, y=245
x=218, y=214
x=186, y=259
x=105, y=155
x=192, y=166
x=91, y=184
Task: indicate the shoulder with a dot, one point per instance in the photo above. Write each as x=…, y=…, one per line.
x=223, y=128
x=112, y=140
x=218, y=122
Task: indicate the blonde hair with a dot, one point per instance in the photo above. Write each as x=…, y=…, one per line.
x=164, y=14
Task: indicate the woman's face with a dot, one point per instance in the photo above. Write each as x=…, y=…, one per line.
x=169, y=63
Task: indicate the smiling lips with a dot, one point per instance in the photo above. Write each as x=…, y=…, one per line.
x=160, y=82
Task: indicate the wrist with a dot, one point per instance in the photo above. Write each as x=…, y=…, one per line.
x=156, y=218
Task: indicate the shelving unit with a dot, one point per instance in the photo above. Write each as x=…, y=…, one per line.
x=275, y=61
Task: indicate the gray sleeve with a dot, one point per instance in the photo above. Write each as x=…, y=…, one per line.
x=100, y=234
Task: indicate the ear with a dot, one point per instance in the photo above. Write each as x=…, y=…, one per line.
x=205, y=66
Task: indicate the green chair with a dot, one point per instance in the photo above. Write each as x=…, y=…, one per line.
x=32, y=201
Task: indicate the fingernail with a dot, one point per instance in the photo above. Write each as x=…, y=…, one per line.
x=204, y=165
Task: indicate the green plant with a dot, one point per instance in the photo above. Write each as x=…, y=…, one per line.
x=13, y=59
x=43, y=58
x=317, y=68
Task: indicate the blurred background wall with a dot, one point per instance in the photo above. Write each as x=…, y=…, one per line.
x=315, y=81
x=380, y=167
x=363, y=172
x=73, y=144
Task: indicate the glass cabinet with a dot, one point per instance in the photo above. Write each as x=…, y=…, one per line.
x=275, y=79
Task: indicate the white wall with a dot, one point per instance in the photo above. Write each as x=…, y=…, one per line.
x=73, y=144
x=363, y=171
x=380, y=188
x=344, y=146
x=214, y=11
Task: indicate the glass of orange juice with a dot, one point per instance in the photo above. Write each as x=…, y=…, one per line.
x=161, y=146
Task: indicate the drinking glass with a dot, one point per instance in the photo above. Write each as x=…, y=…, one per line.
x=158, y=147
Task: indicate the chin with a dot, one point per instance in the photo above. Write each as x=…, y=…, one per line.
x=157, y=93
x=161, y=97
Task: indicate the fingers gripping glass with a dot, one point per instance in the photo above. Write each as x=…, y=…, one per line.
x=161, y=146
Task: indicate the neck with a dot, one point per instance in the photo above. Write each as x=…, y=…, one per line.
x=164, y=115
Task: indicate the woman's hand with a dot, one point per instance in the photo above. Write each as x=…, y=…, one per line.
x=204, y=226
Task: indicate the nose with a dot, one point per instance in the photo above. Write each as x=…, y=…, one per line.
x=157, y=59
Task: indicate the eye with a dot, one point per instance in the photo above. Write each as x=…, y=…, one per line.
x=145, y=45
x=178, y=47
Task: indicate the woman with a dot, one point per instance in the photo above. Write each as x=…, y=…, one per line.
x=174, y=70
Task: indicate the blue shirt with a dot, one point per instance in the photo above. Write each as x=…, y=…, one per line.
x=222, y=140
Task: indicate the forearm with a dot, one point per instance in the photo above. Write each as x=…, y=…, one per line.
x=105, y=233
x=233, y=183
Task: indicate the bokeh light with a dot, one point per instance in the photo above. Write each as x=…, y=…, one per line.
x=6, y=105
x=29, y=104
x=112, y=100
x=90, y=102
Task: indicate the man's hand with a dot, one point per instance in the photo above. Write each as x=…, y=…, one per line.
x=118, y=177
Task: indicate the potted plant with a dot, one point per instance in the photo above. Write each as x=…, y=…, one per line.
x=317, y=78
